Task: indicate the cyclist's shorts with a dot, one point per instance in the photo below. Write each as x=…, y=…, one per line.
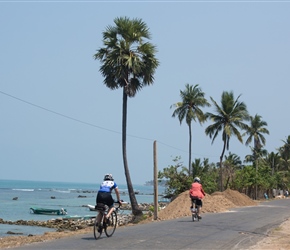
x=197, y=201
x=106, y=198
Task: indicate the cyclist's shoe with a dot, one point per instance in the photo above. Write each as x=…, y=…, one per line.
x=199, y=217
x=100, y=229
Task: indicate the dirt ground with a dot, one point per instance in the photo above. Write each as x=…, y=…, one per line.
x=277, y=239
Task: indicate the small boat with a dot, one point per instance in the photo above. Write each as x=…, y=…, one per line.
x=48, y=211
x=91, y=207
x=164, y=199
x=78, y=217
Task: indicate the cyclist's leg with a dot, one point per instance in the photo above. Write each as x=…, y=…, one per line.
x=192, y=202
x=100, y=200
x=110, y=204
x=99, y=217
x=199, y=206
x=111, y=209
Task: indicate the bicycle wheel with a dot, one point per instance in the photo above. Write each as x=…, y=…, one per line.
x=97, y=229
x=197, y=212
x=193, y=217
x=110, y=224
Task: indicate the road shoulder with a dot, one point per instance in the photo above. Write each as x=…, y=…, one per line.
x=277, y=239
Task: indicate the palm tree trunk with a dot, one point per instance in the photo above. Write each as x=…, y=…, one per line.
x=189, y=163
x=221, y=166
x=256, y=167
x=135, y=208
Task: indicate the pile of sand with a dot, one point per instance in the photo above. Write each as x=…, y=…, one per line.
x=217, y=202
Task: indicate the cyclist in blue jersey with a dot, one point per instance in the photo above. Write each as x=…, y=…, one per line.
x=105, y=194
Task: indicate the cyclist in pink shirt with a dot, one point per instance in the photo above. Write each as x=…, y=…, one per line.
x=196, y=194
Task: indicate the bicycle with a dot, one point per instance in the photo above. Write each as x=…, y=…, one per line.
x=194, y=209
x=107, y=225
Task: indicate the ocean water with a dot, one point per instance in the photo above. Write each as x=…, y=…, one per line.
x=71, y=196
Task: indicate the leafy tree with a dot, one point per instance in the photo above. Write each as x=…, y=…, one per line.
x=229, y=117
x=209, y=176
x=199, y=167
x=265, y=179
x=128, y=62
x=285, y=154
x=189, y=108
x=245, y=180
x=231, y=164
x=177, y=178
x=284, y=165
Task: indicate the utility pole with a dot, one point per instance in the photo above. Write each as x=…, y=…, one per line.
x=155, y=181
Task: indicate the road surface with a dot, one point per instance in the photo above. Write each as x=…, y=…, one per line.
x=239, y=228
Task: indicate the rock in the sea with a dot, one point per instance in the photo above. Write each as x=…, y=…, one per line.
x=10, y=232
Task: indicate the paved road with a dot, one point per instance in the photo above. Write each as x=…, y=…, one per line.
x=238, y=229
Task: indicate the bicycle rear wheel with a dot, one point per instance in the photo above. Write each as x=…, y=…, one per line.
x=111, y=224
x=97, y=229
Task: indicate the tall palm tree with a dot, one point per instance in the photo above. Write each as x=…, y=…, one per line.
x=192, y=99
x=127, y=61
x=258, y=158
x=255, y=132
x=229, y=117
x=273, y=160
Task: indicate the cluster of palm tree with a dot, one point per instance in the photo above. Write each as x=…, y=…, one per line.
x=128, y=62
x=231, y=119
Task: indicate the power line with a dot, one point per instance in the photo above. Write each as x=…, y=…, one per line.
x=57, y=113
x=90, y=124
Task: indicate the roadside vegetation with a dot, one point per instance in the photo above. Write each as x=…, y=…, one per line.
x=256, y=175
x=270, y=171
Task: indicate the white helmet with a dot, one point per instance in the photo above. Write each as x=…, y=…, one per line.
x=108, y=177
x=196, y=179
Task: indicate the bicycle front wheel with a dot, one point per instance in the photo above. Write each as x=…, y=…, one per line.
x=97, y=229
x=111, y=224
x=193, y=217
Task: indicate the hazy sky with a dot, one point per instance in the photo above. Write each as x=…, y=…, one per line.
x=59, y=122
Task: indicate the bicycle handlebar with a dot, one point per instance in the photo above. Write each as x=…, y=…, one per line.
x=119, y=204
